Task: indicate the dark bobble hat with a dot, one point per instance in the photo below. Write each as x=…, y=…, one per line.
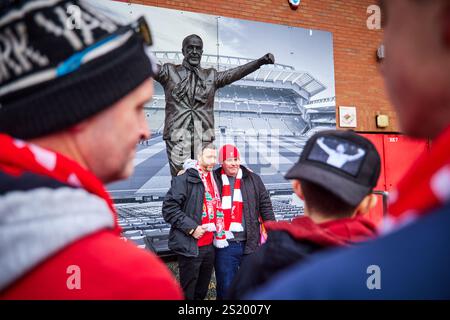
x=63, y=61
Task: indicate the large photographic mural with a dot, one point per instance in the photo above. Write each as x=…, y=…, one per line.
x=268, y=114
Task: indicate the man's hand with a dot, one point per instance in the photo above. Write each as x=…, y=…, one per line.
x=199, y=232
x=268, y=59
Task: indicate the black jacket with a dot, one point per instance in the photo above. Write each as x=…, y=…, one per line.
x=256, y=201
x=182, y=209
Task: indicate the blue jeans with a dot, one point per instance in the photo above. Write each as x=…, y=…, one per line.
x=227, y=264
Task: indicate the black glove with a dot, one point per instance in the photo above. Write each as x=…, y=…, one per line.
x=268, y=58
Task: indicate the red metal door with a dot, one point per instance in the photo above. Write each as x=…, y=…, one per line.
x=376, y=214
x=397, y=153
x=400, y=153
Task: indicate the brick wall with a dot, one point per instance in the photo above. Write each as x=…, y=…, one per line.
x=358, y=82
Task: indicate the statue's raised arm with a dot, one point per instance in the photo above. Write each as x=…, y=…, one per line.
x=229, y=76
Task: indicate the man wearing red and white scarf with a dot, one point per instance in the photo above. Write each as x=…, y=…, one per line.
x=192, y=208
x=244, y=201
x=411, y=261
x=71, y=114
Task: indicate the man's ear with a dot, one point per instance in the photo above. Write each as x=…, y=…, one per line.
x=368, y=203
x=373, y=201
x=297, y=187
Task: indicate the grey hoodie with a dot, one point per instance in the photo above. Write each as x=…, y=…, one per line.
x=37, y=222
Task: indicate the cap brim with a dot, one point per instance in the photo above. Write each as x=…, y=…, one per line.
x=349, y=191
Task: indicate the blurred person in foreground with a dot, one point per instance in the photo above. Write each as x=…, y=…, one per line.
x=71, y=114
x=411, y=260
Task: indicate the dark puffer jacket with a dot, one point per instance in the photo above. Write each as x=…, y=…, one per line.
x=182, y=209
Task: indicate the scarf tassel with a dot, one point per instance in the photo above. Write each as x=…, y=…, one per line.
x=220, y=243
x=236, y=227
x=229, y=235
x=210, y=227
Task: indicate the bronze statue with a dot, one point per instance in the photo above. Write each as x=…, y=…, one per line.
x=189, y=93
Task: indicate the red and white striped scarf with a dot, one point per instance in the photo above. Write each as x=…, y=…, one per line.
x=211, y=200
x=425, y=187
x=232, y=212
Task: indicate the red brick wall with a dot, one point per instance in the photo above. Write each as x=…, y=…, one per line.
x=358, y=82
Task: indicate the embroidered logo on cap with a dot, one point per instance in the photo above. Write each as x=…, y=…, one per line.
x=339, y=153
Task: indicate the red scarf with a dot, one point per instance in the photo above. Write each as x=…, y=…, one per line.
x=339, y=232
x=426, y=185
x=232, y=212
x=211, y=203
x=17, y=157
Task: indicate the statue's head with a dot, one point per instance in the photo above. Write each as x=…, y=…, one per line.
x=193, y=49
